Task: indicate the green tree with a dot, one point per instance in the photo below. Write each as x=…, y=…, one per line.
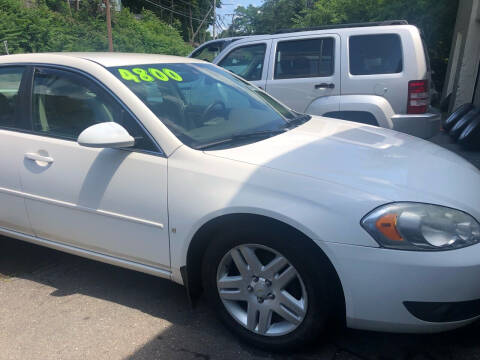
x=271, y=16
x=185, y=15
x=147, y=36
x=41, y=29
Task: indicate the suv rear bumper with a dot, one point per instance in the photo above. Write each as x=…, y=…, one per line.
x=424, y=126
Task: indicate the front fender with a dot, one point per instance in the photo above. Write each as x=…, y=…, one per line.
x=203, y=187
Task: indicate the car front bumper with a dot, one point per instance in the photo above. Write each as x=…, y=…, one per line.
x=424, y=126
x=384, y=288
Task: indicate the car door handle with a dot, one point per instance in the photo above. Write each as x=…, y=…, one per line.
x=38, y=157
x=325, y=86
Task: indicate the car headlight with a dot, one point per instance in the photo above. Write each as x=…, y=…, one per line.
x=416, y=226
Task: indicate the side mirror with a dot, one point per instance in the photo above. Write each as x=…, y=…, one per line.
x=106, y=135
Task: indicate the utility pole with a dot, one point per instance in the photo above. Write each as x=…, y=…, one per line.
x=109, y=25
x=200, y=26
x=69, y=8
x=232, y=26
x=214, y=18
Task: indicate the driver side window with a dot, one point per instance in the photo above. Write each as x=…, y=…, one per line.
x=246, y=61
x=65, y=104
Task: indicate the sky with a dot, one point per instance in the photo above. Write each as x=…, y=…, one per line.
x=228, y=9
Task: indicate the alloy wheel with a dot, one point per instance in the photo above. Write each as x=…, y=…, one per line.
x=261, y=290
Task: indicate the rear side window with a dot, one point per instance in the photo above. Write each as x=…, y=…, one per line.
x=10, y=79
x=304, y=58
x=246, y=61
x=375, y=54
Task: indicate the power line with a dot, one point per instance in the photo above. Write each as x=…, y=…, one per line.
x=171, y=10
x=221, y=23
x=189, y=3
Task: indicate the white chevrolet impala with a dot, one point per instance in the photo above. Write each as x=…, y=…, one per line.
x=177, y=168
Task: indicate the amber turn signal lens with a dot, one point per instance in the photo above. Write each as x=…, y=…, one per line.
x=387, y=225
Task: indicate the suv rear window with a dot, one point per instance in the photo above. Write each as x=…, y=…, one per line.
x=375, y=54
x=304, y=58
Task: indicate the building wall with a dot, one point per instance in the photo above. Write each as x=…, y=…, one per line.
x=464, y=57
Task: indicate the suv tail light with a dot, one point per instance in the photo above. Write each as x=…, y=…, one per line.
x=418, y=97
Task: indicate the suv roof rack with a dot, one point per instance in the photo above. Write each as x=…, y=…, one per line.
x=343, y=26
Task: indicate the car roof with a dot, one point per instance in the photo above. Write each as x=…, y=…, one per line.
x=225, y=39
x=106, y=59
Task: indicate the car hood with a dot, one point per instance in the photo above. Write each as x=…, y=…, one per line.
x=378, y=161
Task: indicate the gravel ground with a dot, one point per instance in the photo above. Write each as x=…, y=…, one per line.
x=58, y=306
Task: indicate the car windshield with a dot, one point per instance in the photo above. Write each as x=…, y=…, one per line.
x=203, y=104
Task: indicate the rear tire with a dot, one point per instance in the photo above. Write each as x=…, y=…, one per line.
x=237, y=292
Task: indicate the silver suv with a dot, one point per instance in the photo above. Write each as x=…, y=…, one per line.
x=374, y=73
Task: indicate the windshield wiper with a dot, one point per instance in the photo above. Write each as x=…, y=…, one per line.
x=240, y=137
x=298, y=120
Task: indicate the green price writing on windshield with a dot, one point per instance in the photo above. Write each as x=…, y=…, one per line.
x=151, y=74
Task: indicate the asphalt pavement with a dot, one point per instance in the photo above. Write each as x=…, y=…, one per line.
x=59, y=306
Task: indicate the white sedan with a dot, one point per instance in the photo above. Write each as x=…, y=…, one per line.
x=177, y=168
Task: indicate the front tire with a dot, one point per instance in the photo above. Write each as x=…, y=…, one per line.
x=268, y=289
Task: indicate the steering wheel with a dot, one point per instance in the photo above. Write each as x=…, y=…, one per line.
x=212, y=108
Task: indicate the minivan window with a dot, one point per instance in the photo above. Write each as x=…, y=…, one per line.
x=10, y=79
x=304, y=58
x=375, y=54
x=246, y=61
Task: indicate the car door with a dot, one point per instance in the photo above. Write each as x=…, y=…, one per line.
x=13, y=215
x=250, y=61
x=111, y=201
x=304, y=69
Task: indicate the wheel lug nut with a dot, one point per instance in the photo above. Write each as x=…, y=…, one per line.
x=249, y=288
x=260, y=300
